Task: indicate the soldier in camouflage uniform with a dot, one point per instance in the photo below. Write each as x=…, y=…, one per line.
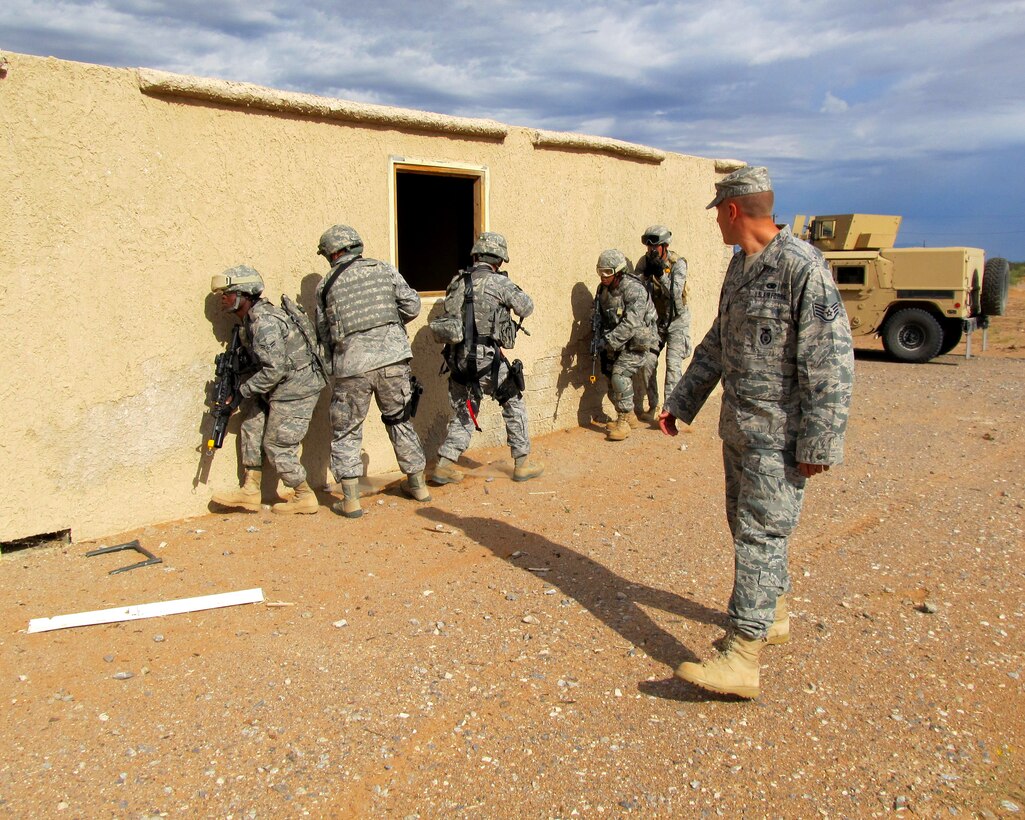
x=363, y=306
x=477, y=365
x=278, y=399
x=781, y=346
x=629, y=336
x=665, y=274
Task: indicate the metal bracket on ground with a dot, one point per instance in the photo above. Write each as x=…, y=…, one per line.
x=131, y=545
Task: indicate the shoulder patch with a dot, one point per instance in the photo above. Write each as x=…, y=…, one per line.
x=827, y=313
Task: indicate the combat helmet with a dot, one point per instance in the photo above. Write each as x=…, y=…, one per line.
x=239, y=279
x=611, y=260
x=656, y=235
x=340, y=238
x=491, y=245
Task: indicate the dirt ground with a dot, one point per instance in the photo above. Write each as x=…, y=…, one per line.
x=507, y=650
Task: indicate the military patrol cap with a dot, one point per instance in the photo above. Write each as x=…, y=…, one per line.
x=747, y=180
x=239, y=279
x=611, y=262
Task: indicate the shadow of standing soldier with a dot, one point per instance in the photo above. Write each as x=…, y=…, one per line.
x=612, y=599
x=577, y=363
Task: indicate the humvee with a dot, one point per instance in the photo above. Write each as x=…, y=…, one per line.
x=920, y=301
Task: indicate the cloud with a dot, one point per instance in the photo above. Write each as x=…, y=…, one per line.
x=794, y=84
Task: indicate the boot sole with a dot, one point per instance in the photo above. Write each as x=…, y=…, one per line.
x=295, y=512
x=237, y=506
x=338, y=509
x=746, y=692
x=527, y=477
x=436, y=480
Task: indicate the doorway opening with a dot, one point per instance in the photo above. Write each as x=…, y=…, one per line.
x=439, y=210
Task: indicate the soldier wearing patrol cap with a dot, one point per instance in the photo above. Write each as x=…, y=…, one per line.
x=665, y=274
x=278, y=398
x=363, y=306
x=781, y=346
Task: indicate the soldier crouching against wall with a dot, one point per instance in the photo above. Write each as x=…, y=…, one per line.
x=475, y=328
x=629, y=336
x=278, y=399
x=363, y=306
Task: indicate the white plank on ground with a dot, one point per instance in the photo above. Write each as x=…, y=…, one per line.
x=154, y=610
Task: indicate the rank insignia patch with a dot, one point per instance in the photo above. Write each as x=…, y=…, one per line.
x=827, y=313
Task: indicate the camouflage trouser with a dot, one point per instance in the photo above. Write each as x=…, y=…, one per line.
x=276, y=428
x=627, y=365
x=764, y=492
x=678, y=349
x=460, y=427
x=350, y=403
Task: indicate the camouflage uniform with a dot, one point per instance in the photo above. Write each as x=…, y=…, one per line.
x=630, y=336
x=781, y=344
x=495, y=294
x=363, y=321
x=668, y=286
x=281, y=395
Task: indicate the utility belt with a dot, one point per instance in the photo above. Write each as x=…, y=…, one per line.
x=511, y=387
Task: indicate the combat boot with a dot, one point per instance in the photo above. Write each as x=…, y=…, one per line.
x=524, y=471
x=634, y=422
x=304, y=502
x=247, y=497
x=349, y=505
x=415, y=487
x=619, y=429
x=649, y=416
x=733, y=672
x=446, y=472
x=779, y=632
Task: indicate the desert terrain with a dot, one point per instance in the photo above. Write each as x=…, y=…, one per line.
x=507, y=650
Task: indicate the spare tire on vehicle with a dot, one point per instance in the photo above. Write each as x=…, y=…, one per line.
x=995, y=284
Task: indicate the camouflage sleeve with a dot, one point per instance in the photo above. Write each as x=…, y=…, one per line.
x=319, y=319
x=406, y=299
x=518, y=301
x=635, y=310
x=825, y=368
x=700, y=378
x=268, y=348
x=680, y=282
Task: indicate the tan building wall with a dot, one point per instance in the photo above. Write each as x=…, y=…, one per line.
x=123, y=191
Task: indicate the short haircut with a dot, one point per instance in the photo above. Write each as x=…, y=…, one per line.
x=757, y=205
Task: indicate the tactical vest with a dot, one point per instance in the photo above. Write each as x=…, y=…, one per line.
x=363, y=297
x=664, y=301
x=613, y=305
x=490, y=317
x=297, y=352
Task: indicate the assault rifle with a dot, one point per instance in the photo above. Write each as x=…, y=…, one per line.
x=596, y=335
x=229, y=367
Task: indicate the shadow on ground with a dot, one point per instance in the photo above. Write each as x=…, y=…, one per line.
x=615, y=601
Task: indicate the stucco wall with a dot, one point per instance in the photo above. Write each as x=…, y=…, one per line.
x=118, y=205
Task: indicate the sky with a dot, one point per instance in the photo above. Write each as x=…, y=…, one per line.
x=913, y=108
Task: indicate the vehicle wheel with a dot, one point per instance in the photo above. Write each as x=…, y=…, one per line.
x=913, y=335
x=995, y=283
x=953, y=330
